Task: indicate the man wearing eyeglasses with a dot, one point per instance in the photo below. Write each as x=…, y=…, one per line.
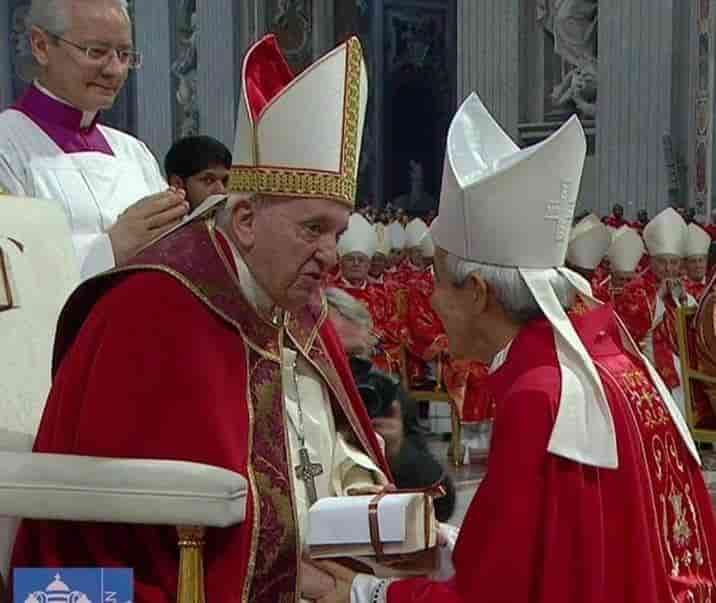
x=52, y=146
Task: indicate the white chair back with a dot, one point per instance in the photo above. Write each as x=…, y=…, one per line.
x=38, y=271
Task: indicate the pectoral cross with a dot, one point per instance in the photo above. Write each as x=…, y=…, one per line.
x=307, y=472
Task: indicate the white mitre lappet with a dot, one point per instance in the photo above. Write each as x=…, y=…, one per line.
x=397, y=236
x=414, y=232
x=359, y=237
x=300, y=136
x=626, y=250
x=588, y=243
x=666, y=234
x=698, y=241
x=513, y=208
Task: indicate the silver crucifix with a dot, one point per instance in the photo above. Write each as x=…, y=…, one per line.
x=307, y=472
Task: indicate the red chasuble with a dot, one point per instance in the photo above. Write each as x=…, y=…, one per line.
x=543, y=529
x=637, y=308
x=165, y=359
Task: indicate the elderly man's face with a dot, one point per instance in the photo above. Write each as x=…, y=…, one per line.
x=378, y=265
x=696, y=267
x=666, y=266
x=396, y=256
x=289, y=245
x=68, y=72
x=456, y=308
x=355, y=267
x=416, y=257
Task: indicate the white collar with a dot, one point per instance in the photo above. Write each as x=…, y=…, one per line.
x=500, y=358
x=87, y=116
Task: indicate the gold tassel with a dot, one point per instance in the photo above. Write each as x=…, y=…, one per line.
x=191, y=565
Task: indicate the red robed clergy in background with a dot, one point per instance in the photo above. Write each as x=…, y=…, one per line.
x=543, y=529
x=161, y=369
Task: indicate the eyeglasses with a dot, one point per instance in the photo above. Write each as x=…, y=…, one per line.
x=101, y=55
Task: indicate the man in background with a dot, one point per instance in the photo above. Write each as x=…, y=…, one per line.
x=200, y=166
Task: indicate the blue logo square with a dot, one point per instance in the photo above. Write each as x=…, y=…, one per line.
x=73, y=585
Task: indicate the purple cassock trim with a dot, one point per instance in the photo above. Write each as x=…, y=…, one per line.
x=62, y=123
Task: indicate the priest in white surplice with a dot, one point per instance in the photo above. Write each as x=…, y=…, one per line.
x=52, y=146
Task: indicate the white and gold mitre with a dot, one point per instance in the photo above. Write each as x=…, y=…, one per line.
x=300, y=136
x=505, y=206
x=698, y=241
x=588, y=243
x=397, y=235
x=414, y=232
x=626, y=250
x=359, y=237
x=666, y=234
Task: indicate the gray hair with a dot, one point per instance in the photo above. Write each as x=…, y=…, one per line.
x=54, y=15
x=349, y=307
x=510, y=288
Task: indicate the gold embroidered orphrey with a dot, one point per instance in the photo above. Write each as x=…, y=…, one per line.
x=295, y=182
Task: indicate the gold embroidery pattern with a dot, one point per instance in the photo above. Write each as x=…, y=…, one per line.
x=641, y=395
x=678, y=522
x=293, y=182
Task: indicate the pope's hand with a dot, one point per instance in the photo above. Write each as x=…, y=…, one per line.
x=144, y=221
x=314, y=582
x=343, y=582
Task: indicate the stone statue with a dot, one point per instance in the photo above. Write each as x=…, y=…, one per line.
x=573, y=25
x=417, y=200
x=185, y=69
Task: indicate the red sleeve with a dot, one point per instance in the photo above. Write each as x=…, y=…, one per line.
x=532, y=529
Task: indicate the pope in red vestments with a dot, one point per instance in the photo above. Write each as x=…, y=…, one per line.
x=181, y=353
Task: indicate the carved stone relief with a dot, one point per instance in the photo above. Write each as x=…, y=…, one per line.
x=184, y=68
x=571, y=26
x=292, y=22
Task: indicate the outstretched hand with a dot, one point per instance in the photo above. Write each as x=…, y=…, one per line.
x=343, y=579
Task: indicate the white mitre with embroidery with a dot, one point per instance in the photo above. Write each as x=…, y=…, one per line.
x=513, y=208
x=359, y=237
x=300, y=136
x=414, y=232
x=588, y=243
x=698, y=241
x=666, y=234
x=382, y=233
x=397, y=236
x=626, y=250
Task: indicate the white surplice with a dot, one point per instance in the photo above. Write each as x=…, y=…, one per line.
x=93, y=188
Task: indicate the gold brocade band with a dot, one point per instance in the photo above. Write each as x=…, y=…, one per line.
x=293, y=183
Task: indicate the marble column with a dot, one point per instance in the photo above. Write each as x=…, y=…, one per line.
x=219, y=72
x=154, y=116
x=636, y=46
x=488, y=34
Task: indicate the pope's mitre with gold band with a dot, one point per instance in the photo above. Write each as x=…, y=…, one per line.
x=300, y=136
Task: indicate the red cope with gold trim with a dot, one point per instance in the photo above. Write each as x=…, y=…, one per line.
x=543, y=528
x=166, y=359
